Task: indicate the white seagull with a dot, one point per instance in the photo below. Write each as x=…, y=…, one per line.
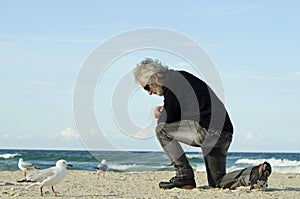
x=102, y=167
x=50, y=176
x=24, y=166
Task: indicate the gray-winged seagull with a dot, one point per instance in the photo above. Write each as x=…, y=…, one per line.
x=102, y=167
x=50, y=176
x=24, y=166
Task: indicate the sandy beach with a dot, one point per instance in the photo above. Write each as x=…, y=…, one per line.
x=84, y=184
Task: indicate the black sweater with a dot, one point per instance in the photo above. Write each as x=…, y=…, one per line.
x=186, y=97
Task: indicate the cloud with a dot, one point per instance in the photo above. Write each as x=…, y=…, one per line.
x=65, y=139
x=93, y=131
x=221, y=10
x=65, y=40
x=250, y=136
x=145, y=133
x=68, y=133
x=296, y=73
x=5, y=43
x=39, y=83
x=283, y=77
x=182, y=64
x=40, y=38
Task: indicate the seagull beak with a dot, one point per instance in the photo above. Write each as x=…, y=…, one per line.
x=69, y=165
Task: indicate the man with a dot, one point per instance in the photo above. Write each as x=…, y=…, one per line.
x=193, y=114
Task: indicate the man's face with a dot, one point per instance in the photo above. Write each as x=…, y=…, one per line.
x=152, y=88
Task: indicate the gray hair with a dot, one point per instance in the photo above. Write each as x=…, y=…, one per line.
x=148, y=67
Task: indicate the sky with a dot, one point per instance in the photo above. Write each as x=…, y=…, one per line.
x=254, y=46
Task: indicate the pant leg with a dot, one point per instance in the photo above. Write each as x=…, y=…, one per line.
x=242, y=177
x=236, y=178
x=215, y=164
x=215, y=158
x=169, y=136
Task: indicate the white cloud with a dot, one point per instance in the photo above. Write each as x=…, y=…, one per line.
x=68, y=133
x=22, y=137
x=249, y=136
x=255, y=136
x=297, y=73
x=182, y=64
x=92, y=132
x=39, y=83
x=282, y=77
x=5, y=43
x=47, y=39
x=145, y=133
x=221, y=10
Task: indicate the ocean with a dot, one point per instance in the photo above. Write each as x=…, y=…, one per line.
x=140, y=161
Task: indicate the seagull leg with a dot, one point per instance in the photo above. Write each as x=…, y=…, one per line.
x=25, y=173
x=41, y=188
x=53, y=191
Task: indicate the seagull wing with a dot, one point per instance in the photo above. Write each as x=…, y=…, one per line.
x=42, y=175
x=26, y=165
x=103, y=167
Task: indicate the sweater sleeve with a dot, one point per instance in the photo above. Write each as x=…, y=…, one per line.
x=171, y=112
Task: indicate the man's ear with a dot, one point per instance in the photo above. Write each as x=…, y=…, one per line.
x=155, y=78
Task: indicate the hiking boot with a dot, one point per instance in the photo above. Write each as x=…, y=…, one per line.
x=179, y=183
x=260, y=180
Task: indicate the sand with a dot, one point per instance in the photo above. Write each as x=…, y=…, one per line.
x=84, y=184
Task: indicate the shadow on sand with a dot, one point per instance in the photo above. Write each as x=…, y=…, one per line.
x=283, y=189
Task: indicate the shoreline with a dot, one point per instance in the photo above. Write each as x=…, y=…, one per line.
x=84, y=184
x=132, y=150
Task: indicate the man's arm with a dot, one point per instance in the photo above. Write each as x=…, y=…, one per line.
x=157, y=111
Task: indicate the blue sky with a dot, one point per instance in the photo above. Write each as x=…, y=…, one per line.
x=255, y=46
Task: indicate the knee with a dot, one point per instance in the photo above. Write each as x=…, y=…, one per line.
x=159, y=128
x=160, y=131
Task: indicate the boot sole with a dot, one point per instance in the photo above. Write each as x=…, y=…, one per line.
x=265, y=172
x=188, y=187
x=182, y=187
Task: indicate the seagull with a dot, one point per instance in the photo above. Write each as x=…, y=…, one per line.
x=50, y=176
x=24, y=166
x=102, y=167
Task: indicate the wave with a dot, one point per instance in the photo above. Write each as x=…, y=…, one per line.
x=278, y=165
x=123, y=167
x=135, y=167
x=199, y=167
x=272, y=161
x=193, y=156
x=9, y=155
x=123, y=161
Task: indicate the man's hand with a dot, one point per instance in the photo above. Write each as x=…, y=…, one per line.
x=157, y=111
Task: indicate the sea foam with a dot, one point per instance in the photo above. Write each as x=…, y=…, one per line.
x=278, y=165
x=9, y=155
